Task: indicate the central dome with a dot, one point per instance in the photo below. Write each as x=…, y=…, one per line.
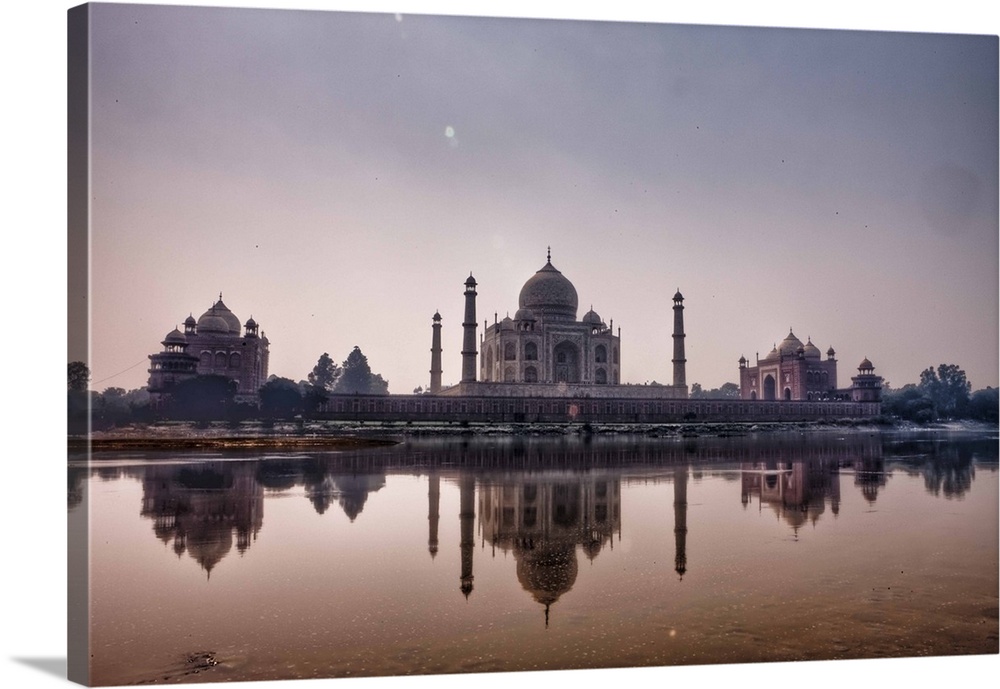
x=219, y=319
x=549, y=294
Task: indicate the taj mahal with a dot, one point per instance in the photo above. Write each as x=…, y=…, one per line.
x=544, y=351
x=544, y=365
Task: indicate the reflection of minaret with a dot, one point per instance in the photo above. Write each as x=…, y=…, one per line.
x=466, y=521
x=433, y=500
x=680, y=519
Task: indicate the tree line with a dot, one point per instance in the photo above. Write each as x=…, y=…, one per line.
x=213, y=397
x=943, y=394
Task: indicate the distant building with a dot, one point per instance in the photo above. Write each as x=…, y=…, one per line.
x=215, y=344
x=544, y=350
x=866, y=386
x=793, y=371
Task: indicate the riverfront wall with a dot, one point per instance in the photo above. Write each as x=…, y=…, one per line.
x=580, y=409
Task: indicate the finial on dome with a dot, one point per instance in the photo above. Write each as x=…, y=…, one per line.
x=548, y=255
x=220, y=295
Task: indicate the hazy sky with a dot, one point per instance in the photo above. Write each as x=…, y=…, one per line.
x=337, y=176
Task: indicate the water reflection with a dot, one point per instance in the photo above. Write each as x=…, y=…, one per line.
x=201, y=508
x=798, y=492
x=948, y=468
x=540, y=500
x=541, y=519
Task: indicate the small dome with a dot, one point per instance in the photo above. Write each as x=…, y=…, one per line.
x=592, y=317
x=175, y=336
x=506, y=323
x=866, y=365
x=549, y=293
x=773, y=354
x=437, y=316
x=471, y=281
x=743, y=359
x=251, y=323
x=812, y=351
x=678, y=296
x=830, y=352
x=524, y=315
x=190, y=321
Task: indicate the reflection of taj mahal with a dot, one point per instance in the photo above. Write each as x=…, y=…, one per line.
x=542, y=521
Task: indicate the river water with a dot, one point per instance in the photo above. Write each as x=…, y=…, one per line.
x=445, y=556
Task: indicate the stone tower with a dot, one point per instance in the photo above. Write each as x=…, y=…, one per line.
x=469, y=335
x=679, y=359
x=436, y=354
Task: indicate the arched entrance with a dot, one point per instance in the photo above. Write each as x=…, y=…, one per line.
x=567, y=363
x=788, y=394
x=769, y=388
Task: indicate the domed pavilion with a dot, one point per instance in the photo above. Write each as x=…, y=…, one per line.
x=214, y=344
x=791, y=371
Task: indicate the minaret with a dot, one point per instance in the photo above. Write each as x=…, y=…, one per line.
x=436, y=354
x=469, y=328
x=433, y=500
x=680, y=519
x=466, y=526
x=679, y=359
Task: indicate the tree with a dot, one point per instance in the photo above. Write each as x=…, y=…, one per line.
x=379, y=385
x=111, y=408
x=202, y=398
x=947, y=388
x=910, y=403
x=730, y=391
x=356, y=377
x=280, y=397
x=79, y=376
x=325, y=374
x=983, y=405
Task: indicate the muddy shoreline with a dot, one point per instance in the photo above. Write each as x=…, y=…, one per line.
x=230, y=443
x=349, y=436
